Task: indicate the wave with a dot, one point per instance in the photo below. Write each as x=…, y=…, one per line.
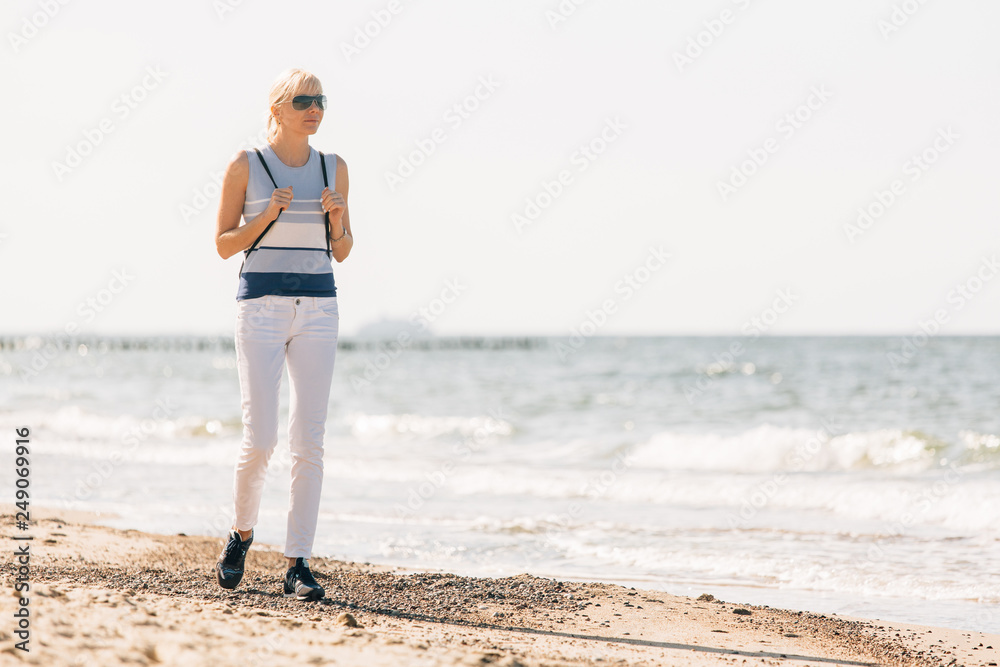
x=75, y=423
x=770, y=448
x=369, y=426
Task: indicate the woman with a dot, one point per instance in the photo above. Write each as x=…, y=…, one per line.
x=287, y=312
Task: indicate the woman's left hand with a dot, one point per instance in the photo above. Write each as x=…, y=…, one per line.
x=333, y=203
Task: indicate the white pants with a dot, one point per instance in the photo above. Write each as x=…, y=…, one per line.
x=271, y=330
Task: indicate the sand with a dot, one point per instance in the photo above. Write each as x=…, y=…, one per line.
x=102, y=596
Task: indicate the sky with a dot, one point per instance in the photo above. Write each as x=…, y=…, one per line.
x=519, y=168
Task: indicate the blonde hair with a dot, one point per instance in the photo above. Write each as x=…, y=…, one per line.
x=287, y=83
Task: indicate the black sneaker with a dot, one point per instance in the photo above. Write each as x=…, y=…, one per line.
x=230, y=565
x=299, y=582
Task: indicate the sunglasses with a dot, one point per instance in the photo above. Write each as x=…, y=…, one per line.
x=303, y=102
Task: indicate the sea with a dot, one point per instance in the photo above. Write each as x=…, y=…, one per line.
x=840, y=475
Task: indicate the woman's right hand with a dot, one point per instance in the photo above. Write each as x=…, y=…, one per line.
x=280, y=200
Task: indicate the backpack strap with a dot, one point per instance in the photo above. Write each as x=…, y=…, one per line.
x=261, y=157
x=253, y=246
x=326, y=183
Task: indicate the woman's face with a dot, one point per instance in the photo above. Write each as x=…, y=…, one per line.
x=305, y=121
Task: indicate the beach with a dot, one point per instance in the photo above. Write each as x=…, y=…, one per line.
x=805, y=473
x=104, y=596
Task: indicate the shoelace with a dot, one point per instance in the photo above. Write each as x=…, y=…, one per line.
x=232, y=547
x=305, y=577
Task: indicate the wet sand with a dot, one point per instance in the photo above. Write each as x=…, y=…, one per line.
x=102, y=596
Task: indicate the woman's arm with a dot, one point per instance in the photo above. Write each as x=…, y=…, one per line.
x=230, y=236
x=342, y=226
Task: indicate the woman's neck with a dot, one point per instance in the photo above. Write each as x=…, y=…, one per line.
x=292, y=149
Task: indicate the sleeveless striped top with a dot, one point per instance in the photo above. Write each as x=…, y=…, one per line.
x=291, y=259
